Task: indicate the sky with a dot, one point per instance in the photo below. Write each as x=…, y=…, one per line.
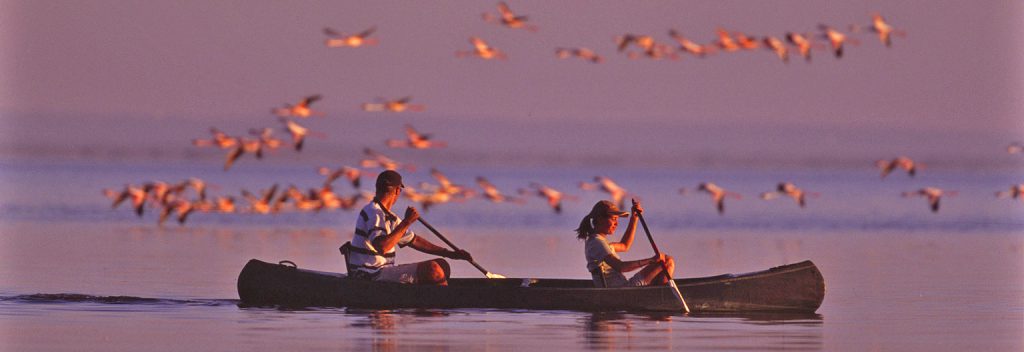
x=954, y=81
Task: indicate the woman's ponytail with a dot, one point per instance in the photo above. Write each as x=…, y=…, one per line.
x=586, y=228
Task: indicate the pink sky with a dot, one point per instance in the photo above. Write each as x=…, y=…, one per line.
x=958, y=68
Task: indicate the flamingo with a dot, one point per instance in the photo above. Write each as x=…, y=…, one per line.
x=746, y=42
x=884, y=30
x=394, y=105
x=261, y=205
x=835, y=38
x=415, y=140
x=803, y=45
x=718, y=195
x=354, y=41
x=300, y=110
x=219, y=139
x=778, y=47
x=787, y=189
x=647, y=44
x=224, y=204
x=689, y=46
x=482, y=50
x=582, y=53
x=933, y=195
x=245, y=145
x=375, y=159
x=266, y=138
x=553, y=196
x=617, y=193
x=297, y=132
x=493, y=194
x=902, y=162
x=350, y=173
x=1015, y=148
x=1014, y=192
x=509, y=19
x=136, y=194
x=725, y=41
x=446, y=186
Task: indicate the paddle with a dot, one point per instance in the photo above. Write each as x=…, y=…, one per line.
x=489, y=274
x=671, y=282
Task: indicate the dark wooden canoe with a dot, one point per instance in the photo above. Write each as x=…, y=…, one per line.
x=790, y=288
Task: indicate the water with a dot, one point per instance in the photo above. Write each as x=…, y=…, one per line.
x=76, y=275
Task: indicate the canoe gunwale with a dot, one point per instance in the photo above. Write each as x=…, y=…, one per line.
x=753, y=275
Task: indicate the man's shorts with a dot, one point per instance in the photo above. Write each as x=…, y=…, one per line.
x=403, y=274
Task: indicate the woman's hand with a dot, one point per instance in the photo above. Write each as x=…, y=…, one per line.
x=660, y=258
x=637, y=208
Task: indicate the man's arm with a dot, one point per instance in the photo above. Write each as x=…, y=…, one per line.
x=421, y=244
x=387, y=242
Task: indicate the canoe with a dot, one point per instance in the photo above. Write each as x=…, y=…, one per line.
x=797, y=288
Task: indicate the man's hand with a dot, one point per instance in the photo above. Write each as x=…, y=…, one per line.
x=460, y=255
x=411, y=215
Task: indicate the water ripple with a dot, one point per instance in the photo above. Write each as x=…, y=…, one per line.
x=61, y=298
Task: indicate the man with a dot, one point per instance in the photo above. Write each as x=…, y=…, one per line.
x=371, y=253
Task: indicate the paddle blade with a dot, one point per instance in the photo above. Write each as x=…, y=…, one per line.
x=679, y=295
x=491, y=275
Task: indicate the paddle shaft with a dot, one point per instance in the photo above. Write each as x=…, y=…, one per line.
x=664, y=266
x=450, y=244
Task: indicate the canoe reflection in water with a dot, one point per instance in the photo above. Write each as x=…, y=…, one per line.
x=614, y=331
x=384, y=323
x=389, y=319
x=387, y=325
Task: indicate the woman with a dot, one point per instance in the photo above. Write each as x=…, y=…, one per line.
x=603, y=260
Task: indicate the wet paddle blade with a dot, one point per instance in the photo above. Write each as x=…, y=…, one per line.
x=679, y=295
x=494, y=276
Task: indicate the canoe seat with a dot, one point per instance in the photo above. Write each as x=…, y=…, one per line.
x=345, y=249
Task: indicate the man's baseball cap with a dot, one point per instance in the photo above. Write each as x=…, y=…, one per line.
x=389, y=178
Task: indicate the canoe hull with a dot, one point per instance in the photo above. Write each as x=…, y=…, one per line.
x=792, y=288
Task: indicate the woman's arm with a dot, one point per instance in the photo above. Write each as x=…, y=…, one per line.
x=627, y=237
x=627, y=266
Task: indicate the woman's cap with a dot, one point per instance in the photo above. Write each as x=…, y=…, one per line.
x=605, y=207
x=390, y=178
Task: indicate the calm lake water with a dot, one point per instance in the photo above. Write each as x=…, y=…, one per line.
x=76, y=275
